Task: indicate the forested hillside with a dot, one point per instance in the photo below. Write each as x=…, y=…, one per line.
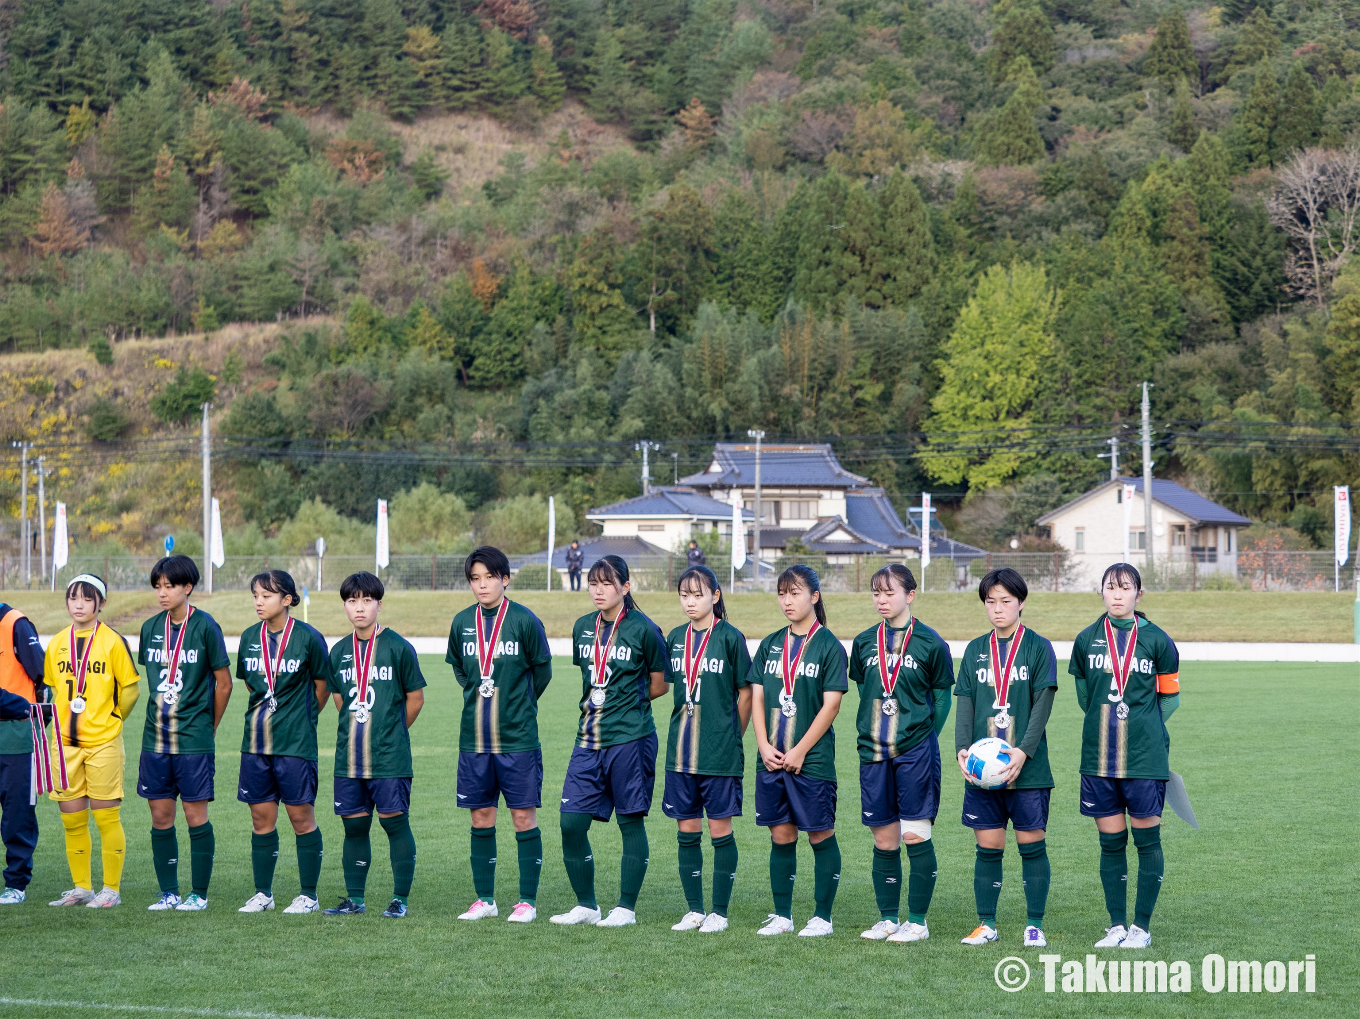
x=958, y=235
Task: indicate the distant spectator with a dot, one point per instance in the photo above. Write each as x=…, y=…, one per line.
x=574, y=557
x=696, y=554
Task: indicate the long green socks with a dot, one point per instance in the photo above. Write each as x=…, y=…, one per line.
x=921, y=881
x=264, y=857
x=887, y=875
x=724, y=871
x=202, y=848
x=691, y=857
x=1034, y=871
x=530, y=846
x=987, y=883
x=1151, y=866
x=826, y=871
x=577, y=856
x=309, y=854
x=401, y=845
x=783, y=872
x=356, y=856
x=484, y=863
x=1114, y=875
x=165, y=857
x=633, y=866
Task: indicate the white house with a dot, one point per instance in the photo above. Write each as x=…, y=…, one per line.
x=667, y=517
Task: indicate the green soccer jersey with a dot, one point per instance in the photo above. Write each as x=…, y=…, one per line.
x=705, y=733
x=372, y=740
x=1135, y=746
x=620, y=709
x=822, y=670
x=1035, y=668
x=179, y=712
x=289, y=731
x=926, y=666
x=506, y=721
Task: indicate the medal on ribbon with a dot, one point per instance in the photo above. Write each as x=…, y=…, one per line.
x=273, y=662
x=599, y=668
x=1121, y=665
x=887, y=675
x=79, y=668
x=1001, y=676
x=789, y=670
x=486, y=648
x=171, y=684
x=693, y=663
x=363, y=692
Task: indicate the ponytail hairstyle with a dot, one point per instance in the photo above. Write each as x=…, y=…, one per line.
x=806, y=577
x=1124, y=572
x=883, y=578
x=707, y=581
x=276, y=582
x=611, y=569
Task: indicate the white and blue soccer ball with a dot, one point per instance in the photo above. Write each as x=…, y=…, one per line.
x=987, y=759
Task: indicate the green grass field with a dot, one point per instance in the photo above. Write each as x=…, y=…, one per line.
x=1265, y=878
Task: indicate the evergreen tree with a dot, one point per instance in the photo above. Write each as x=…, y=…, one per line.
x=907, y=259
x=367, y=331
x=545, y=80
x=1182, y=132
x=609, y=83
x=498, y=354
x=1256, y=41
x=1024, y=31
x=424, y=52
x=1260, y=115
x=506, y=81
x=1300, y=116
x=745, y=275
x=1171, y=56
x=1253, y=277
x=463, y=46
x=1011, y=137
x=823, y=264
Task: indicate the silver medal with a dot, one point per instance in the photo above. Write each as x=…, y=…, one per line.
x=890, y=706
x=487, y=688
x=597, y=697
x=1121, y=711
x=273, y=705
x=78, y=706
x=1003, y=721
x=788, y=708
x=689, y=709
x=170, y=699
x=361, y=715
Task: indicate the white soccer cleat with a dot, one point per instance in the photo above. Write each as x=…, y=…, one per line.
x=618, y=917
x=776, y=924
x=257, y=903
x=522, y=913
x=816, y=928
x=909, y=932
x=106, y=899
x=12, y=896
x=193, y=904
x=1137, y=938
x=982, y=934
x=168, y=900
x=691, y=921
x=577, y=915
x=880, y=930
x=1114, y=937
x=713, y=923
x=1034, y=937
x=303, y=904
x=73, y=897
x=480, y=910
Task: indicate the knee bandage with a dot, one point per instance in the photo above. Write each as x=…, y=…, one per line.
x=921, y=829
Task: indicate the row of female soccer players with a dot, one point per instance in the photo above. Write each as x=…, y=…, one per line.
x=791, y=689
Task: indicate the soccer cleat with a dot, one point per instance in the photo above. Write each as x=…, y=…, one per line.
x=396, y=910
x=909, y=932
x=168, y=900
x=1034, y=937
x=1114, y=937
x=522, y=913
x=981, y=935
x=691, y=921
x=618, y=917
x=257, y=903
x=576, y=915
x=106, y=899
x=303, y=904
x=880, y=930
x=73, y=897
x=776, y=924
x=479, y=910
x=12, y=896
x=194, y=903
x=347, y=907
x=816, y=928
x=713, y=923
x=1137, y=938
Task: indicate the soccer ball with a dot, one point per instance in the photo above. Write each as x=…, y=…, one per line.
x=987, y=759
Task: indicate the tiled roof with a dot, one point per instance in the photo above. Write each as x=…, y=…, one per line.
x=781, y=466
x=1169, y=494
x=668, y=502
x=871, y=513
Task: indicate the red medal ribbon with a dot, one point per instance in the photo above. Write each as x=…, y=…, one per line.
x=271, y=664
x=179, y=644
x=790, y=675
x=695, y=662
x=598, y=678
x=486, y=651
x=361, y=674
x=44, y=781
x=1121, y=665
x=1001, y=673
x=888, y=676
x=84, y=664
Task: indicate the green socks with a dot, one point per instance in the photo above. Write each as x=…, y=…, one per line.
x=1151, y=866
x=633, y=866
x=987, y=883
x=264, y=856
x=724, y=871
x=401, y=844
x=202, y=847
x=165, y=856
x=1035, y=874
x=577, y=857
x=692, y=868
x=921, y=882
x=356, y=856
x=783, y=872
x=484, y=863
x=887, y=874
x=530, y=846
x=1114, y=875
x=826, y=870
x=309, y=861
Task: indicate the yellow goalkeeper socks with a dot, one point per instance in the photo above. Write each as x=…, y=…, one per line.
x=77, y=825
x=112, y=845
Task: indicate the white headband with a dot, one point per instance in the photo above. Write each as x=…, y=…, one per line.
x=93, y=581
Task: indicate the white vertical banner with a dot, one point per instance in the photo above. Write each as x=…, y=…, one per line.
x=738, y=534
x=925, y=537
x=552, y=534
x=382, y=557
x=1128, y=519
x=217, y=551
x=1341, y=495
x=60, y=544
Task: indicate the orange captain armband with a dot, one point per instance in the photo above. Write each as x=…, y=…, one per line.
x=1169, y=683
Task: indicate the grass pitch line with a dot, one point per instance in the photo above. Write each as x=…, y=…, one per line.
x=99, y=1006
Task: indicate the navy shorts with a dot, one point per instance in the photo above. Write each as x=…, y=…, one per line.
x=166, y=776
x=785, y=798
x=363, y=795
x=1105, y=797
x=1026, y=809
x=689, y=796
x=269, y=778
x=906, y=788
x=618, y=778
x=484, y=778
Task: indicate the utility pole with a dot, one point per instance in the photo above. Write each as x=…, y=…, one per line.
x=758, y=435
x=207, y=503
x=646, y=446
x=23, y=510
x=675, y=461
x=1147, y=476
x=1112, y=456
x=42, y=523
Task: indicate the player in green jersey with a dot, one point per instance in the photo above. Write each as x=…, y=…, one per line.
x=500, y=657
x=378, y=691
x=1127, y=673
x=287, y=670
x=797, y=682
x=622, y=658
x=1006, y=686
x=709, y=672
x=189, y=676
x=904, y=673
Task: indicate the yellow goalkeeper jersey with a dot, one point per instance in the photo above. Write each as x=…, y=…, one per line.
x=110, y=684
